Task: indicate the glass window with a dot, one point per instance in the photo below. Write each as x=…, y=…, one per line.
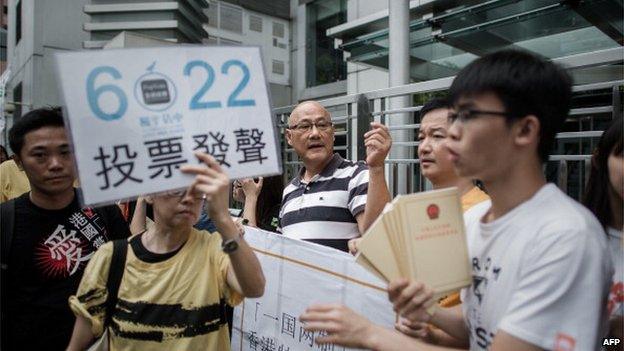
x=3, y=41
x=442, y=45
x=18, y=22
x=17, y=97
x=255, y=23
x=278, y=29
x=324, y=63
x=231, y=17
x=278, y=67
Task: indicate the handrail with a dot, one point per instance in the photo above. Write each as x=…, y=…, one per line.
x=606, y=56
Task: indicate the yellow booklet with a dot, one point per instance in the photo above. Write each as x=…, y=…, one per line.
x=420, y=236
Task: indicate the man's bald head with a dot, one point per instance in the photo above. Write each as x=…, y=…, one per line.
x=311, y=134
x=310, y=108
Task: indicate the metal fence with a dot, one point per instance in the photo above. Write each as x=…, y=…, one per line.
x=568, y=165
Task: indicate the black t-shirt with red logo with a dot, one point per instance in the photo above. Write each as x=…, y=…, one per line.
x=49, y=252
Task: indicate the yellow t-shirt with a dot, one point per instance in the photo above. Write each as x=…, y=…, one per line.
x=176, y=304
x=473, y=197
x=469, y=199
x=13, y=181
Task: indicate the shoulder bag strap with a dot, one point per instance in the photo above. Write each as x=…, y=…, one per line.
x=115, y=273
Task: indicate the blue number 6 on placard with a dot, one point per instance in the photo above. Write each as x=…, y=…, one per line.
x=93, y=94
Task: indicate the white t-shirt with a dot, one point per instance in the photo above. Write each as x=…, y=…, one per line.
x=540, y=273
x=616, y=296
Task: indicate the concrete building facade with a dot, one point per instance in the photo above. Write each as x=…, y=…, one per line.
x=36, y=30
x=234, y=23
x=178, y=21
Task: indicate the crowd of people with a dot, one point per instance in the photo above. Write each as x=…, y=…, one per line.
x=162, y=272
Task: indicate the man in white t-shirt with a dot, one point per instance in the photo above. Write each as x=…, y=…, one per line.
x=541, y=274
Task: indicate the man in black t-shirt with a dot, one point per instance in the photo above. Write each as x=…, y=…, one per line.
x=53, y=238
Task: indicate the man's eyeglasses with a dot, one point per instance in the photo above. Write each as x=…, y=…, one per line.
x=181, y=193
x=468, y=114
x=305, y=127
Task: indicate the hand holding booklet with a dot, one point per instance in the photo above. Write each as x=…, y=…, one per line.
x=421, y=237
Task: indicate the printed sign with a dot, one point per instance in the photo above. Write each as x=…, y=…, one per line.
x=299, y=274
x=136, y=115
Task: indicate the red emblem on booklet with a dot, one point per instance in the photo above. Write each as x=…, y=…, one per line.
x=433, y=211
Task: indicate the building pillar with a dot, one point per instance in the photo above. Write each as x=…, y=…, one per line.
x=399, y=66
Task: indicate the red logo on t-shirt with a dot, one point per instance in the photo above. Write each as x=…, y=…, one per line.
x=564, y=342
x=433, y=211
x=62, y=253
x=88, y=211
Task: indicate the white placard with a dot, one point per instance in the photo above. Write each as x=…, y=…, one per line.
x=136, y=115
x=297, y=275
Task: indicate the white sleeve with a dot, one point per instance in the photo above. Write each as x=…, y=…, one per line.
x=358, y=191
x=560, y=300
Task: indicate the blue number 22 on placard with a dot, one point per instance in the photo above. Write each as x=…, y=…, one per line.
x=196, y=102
x=243, y=83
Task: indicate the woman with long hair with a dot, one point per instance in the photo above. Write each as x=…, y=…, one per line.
x=603, y=196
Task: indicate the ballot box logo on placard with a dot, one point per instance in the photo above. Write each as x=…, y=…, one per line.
x=433, y=211
x=154, y=90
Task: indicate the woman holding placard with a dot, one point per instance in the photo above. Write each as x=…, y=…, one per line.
x=176, y=280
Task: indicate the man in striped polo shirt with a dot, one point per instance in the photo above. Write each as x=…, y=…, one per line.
x=332, y=199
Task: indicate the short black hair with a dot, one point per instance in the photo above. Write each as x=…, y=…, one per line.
x=33, y=120
x=433, y=104
x=526, y=84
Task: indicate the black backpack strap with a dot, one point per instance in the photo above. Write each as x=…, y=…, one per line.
x=7, y=218
x=115, y=273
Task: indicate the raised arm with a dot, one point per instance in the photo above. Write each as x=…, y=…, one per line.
x=246, y=274
x=139, y=218
x=378, y=143
x=251, y=189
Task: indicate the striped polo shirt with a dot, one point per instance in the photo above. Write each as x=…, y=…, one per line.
x=324, y=209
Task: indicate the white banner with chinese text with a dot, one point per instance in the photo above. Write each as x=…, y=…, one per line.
x=136, y=115
x=299, y=274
